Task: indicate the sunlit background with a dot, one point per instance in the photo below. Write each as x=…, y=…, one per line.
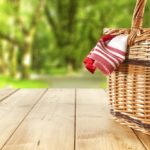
x=43, y=42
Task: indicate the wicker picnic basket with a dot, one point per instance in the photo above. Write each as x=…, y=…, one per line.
x=129, y=85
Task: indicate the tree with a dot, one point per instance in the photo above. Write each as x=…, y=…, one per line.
x=62, y=20
x=22, y=33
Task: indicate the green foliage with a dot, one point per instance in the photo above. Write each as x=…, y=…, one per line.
x=56, y=34
x=15, y=83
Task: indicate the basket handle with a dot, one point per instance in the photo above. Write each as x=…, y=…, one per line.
x=137, y=20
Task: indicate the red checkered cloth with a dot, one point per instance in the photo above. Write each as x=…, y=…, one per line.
x=108, y=54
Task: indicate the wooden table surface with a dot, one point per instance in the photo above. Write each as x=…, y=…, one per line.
x=62, y=119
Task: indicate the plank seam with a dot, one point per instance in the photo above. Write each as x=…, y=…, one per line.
x=1, y=100
x=75, y=118
x=9, y=95
x=139, y=139
x=24, y=118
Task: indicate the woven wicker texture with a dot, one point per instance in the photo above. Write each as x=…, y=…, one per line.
x=129, y=85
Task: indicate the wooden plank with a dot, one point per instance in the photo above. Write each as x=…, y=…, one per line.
x=95, y=130
x=145, y=139
x=14, y=109
x=50, y=125
x=4, y=93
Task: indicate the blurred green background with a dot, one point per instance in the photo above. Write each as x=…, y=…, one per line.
x=43, y=42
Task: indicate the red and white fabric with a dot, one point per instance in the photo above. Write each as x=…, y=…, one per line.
x=108, y=54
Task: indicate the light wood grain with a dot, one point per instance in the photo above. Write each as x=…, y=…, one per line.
x=31, y=119
x=95, y=130
x=14, y=109
x=50, y=125
x=145, y=139
x=4, y=93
